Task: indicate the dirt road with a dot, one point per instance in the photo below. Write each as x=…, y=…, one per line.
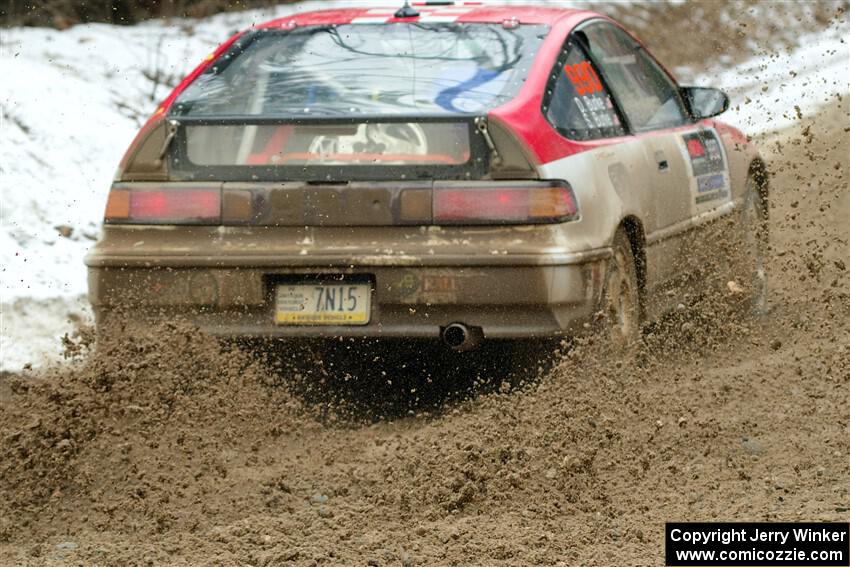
x=166, y=450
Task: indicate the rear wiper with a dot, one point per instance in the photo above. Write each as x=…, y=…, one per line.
x=481, y=126
x=171, y=131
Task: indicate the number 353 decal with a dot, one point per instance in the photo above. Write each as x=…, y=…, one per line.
x=583, y=77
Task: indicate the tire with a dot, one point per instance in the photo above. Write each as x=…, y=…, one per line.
x=755, y=242
x=620, y=309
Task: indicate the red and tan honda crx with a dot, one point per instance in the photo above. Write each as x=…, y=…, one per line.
x=454, y=171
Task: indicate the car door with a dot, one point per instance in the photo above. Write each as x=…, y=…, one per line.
x=655, y=113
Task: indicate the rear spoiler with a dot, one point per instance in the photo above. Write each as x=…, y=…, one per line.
x=262, y=148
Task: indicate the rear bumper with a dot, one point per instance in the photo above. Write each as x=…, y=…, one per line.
x=506, y=295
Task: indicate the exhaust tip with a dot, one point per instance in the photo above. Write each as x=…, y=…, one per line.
x=459, y=337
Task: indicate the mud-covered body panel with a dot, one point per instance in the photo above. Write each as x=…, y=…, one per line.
x=543, y=301
x=511, y=281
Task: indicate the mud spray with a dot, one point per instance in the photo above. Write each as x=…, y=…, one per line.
x=171, y=448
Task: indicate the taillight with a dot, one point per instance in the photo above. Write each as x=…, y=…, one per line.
x=177, y=204
x=504, y=203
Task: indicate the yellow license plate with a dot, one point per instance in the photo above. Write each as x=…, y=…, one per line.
x=327, y=303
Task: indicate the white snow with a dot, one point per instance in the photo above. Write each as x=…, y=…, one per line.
x=764, y=90
x=71, y=101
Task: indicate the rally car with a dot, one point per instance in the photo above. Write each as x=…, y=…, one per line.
x=463, y=172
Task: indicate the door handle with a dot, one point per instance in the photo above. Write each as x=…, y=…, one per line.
x=661, y=160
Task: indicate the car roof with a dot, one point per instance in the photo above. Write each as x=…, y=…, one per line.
x=464, y=12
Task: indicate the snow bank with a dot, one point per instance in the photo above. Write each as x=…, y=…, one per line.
x=72, y=101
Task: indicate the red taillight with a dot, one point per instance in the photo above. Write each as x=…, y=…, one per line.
x=192, y=204
x=504, y=203
x=165, y=205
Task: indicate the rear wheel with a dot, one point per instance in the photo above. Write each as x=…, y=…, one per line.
x=620, y=311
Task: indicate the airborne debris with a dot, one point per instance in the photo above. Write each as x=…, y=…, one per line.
x=734, y=287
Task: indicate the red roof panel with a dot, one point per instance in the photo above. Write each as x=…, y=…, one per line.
x=460, y=12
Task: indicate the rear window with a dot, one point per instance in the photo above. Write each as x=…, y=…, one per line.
x=328, y=150
x=360, y=144
x=364, y=101
x=410, y=69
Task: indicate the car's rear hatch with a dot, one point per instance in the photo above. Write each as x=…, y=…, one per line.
x=350, y=102
x=348, y=125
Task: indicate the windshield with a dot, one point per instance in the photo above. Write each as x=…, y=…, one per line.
x=411, y=69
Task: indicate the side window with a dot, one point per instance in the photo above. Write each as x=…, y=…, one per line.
x=649, y=99
x=576, y=102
